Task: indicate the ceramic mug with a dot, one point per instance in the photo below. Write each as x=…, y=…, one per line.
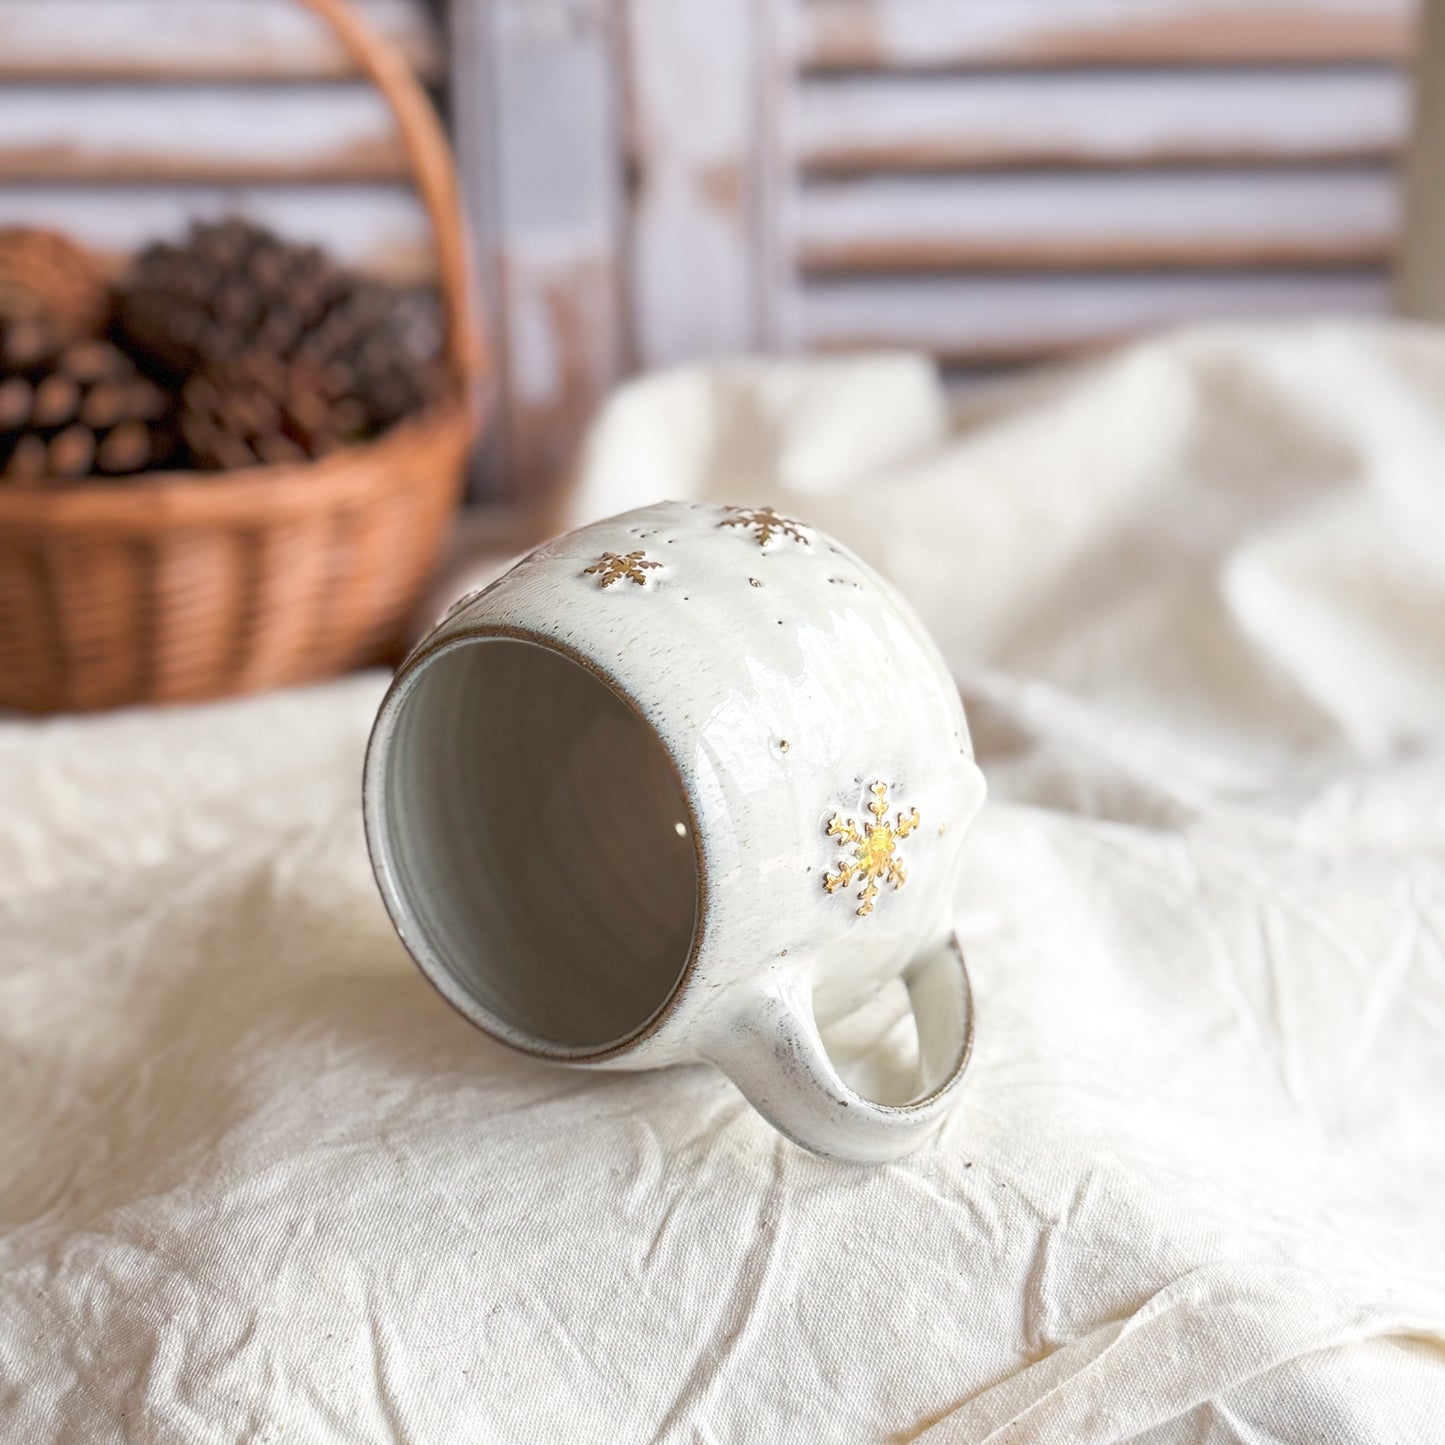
x=683, y=786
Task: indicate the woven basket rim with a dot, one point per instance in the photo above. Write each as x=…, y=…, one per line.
x=255, y=496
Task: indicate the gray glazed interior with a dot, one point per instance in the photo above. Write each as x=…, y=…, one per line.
x=538, y=842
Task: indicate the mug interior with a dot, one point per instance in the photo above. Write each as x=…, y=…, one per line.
x=537, y=846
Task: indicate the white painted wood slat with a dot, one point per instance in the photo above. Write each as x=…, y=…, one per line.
x=1125, y=219
x=541, y=133
x=1000, y=320
x=698, y=143
x=198, y=132
x=859, y=123
x=194, y=39
x=961, y=34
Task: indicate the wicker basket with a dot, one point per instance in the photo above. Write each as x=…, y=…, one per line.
x=179, y=587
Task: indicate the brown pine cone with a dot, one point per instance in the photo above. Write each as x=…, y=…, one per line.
x=229, y=289
x=260, y=409
x=388, y=343
x=234, y=303
x=47, y=277
x=27, y=344
x=78, y=412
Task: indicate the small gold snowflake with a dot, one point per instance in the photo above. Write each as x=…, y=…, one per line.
x=767, y=524
x=614, y=568
x=874, y=850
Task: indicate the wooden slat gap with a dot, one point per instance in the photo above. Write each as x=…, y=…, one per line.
x=906, y=160
x=899, y=258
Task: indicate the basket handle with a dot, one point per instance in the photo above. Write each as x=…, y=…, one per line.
x=434, y=174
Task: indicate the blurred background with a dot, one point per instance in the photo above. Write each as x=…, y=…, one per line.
x=1000, y=183
x=997, y=184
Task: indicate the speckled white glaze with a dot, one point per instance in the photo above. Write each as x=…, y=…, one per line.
x=782, y=680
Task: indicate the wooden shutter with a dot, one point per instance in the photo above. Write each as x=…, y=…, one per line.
x=120, y=120
x=1001, y=182
x=997, y=182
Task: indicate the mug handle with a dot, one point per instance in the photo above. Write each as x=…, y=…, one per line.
x=773, y=1052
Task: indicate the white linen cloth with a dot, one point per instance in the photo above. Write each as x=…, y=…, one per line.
x=258, y=1183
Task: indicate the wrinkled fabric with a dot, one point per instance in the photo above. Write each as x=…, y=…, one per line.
x=258, y=1183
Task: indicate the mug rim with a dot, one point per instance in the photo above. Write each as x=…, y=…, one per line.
x=378, y=846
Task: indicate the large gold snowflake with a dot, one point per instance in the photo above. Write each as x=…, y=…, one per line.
x=614, y=568
x=767, y=524
x=875, y=855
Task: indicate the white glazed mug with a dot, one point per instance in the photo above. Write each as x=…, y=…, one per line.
x=681, y=786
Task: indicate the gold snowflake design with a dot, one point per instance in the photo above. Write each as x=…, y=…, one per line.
x=875, y=855
x=614, y=568
x=767, y=524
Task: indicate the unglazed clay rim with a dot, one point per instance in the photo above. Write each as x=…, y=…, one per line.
x=374, y=817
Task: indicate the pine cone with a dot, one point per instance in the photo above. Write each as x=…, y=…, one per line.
x=48, y=278
x=380, y=347
x=263, y=409
x=81, y=410
x=230, y=289
x=280, y=348
x=28, y=344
